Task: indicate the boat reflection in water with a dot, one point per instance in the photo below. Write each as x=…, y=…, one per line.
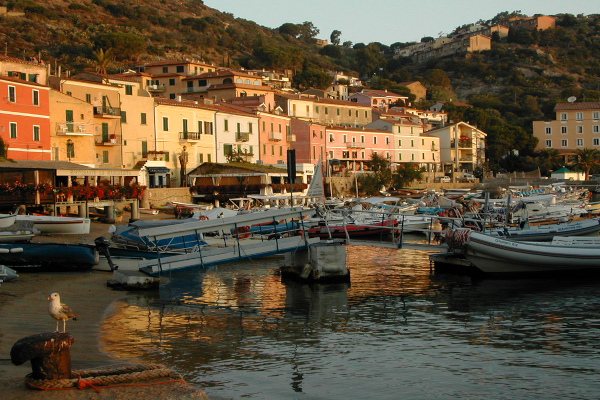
x=238, y=331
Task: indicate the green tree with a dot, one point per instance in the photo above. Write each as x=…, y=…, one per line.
x=588, y=160
x=103, y=60
x=335, y=37
x=405, y=174
x=369, y=59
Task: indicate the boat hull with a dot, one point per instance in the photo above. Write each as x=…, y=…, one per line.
x=501, y=256
x=48, y=256
x=341, y=231
x=547, y=232
x=61, y=225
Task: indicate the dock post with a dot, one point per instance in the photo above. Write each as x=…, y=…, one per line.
x=135, y=210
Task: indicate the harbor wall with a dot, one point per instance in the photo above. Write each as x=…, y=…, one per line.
x=160, y=196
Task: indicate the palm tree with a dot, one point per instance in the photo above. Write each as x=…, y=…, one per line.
x=553, y=157
x=103, y=60
x=588, y=160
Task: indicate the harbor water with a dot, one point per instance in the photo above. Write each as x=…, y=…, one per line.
x=396, y=330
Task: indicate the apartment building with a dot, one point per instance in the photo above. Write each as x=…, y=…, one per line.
x=30, y=71
x=577, y=126
x=72, y=129
x=236, y=134
x=539, y=23
x=25, y=118
x=185, y=137
x=377, y=98
x=223, y=85
x=311, y=141
x=354, y=147
x=462, y=146
x=275, y=135
x=325, y=111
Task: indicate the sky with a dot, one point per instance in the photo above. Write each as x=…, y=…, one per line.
x=391, y=21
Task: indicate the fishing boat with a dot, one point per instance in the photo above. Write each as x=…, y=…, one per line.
x=127, y=236
x=545, y=232
x=62, y=225
x=48, y=256
x=7, y=220
x=325, y=231
x=493, y=255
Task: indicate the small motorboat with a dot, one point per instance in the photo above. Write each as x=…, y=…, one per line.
x=7, y=220
x=63, y=225
x=48, y=256
x=325, y=231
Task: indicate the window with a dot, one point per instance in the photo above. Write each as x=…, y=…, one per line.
x=399, y=142
x=596, y=115
x=200, y=158
x=171, y=82
x=596, y=128
x=88, y=97
x=362, y=138
x=105, y=156
x=345, y=139
x=563, y=116
x=412, y=156
x=165, y=123
x=596, y=141
x=362, y=154
x=374, y=139
x=387, y=140
x=144, y=148
x=128, y=90
x=579, y=142
x=349, y=113
x=226, y=125
x=579, y=116
x=239, y=127
x=412, y=143
x=200, y=127
x=165, y=70
x=105, y=137
x=13, y=130
x=71, y=149
x=338, y=111
x=36, y=133
x=422, y=156
x=209, y=158
x=317, y=109
x=36, y=97
x=563, y=130
x=123, y=117
x=12, y=94
x=548, y=130
x=579, y=128
x=326, y=110
x=227, y=149
x=180, y=68
x=143, y=118
x=250, y=127
x=564, y=143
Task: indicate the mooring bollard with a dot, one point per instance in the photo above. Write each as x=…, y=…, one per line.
x=49, y=354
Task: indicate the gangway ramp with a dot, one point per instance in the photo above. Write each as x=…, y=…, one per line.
x=240, y=249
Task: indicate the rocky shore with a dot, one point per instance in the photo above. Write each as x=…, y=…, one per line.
x=23, y=308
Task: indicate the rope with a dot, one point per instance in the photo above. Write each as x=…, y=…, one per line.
x=114, y=377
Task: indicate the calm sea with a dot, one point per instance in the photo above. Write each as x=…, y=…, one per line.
x=395, y=332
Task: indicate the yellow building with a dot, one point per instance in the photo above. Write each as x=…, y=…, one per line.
x=577, y=126
x=72, y=127
x=185, y=135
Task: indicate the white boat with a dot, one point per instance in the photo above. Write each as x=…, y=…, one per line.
x=7, y=220
x=545, y=232
x=493, y=255
x=64, y=225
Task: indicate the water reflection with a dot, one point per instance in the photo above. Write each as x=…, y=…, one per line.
x=239, y=331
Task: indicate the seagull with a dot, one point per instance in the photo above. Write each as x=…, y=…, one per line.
x=60, y=311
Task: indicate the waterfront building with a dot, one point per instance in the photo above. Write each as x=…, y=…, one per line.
x=462, y=147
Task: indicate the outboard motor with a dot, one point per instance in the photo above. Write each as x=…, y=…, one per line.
x=102, y=244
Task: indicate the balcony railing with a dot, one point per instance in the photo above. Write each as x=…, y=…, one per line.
x=291, y=138
x=355, y=145
x=462, y=143
x=107, y=111
x=190, y=136
x=156, y=88
x=276, y=136
x=242, y=136
x=73, y=129
x=112, y=140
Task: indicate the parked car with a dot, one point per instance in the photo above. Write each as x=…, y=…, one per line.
x=444, y=179
x=468, y=178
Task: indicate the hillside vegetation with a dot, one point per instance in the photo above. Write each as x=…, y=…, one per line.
x=518, y=81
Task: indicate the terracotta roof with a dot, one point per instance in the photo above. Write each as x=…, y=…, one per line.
x=172, y=62
x=38, y=164
x=18, y=60
x=381, y=93
x=593, y=105
x=348, y=129
x=225, y=72
x=321, y=100
x=18, y=80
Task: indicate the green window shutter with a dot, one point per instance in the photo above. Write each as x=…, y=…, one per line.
x=69, y=119
x=129, y=90
x=144, y=148
x=123, y=117
x=165, y=123
x=166, y=156
x=227, y=149
x=143, y=118
x=226, y=125
x=105, y=132
x=105, y=156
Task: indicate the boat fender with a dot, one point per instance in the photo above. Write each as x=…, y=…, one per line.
x=242, y=232
x=16, y=250
x=4, y=251
x=203, y=217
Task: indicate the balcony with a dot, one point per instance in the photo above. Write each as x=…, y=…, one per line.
x=156, y=88
x=276, y=136
x=355, y=145
x=112, y=140
x=463, y=143
x=105, y=111
x=73, y=129
x=291, y=138
x=190, y=136
x=242, y=136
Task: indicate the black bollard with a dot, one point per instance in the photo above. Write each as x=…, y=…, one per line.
x=49, y=353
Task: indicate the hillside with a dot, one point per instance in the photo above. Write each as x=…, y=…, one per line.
x=518, y=81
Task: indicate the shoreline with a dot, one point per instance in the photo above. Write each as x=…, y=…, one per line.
x=24, y=311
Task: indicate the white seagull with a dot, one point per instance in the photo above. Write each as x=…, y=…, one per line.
x=60, y=311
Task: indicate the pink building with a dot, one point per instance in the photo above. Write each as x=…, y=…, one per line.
x=25, y=119
x=311, y=141
x=275, y=136
x=354, y=147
